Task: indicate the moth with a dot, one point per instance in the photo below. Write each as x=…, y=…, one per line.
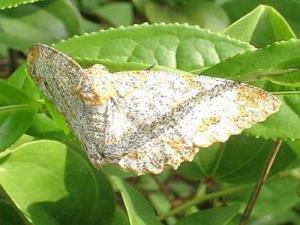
x=144, y=121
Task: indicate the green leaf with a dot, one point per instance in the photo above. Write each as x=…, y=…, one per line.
x=176, y=46
x=138, y=208
x=284, y=217
x=90, y=26
x=120, y=218
x=88, y=5
x=115, y=66
x=289, y=9
x=20, y=79
x=281, y=59
x=117, y=13
x=249, y=66
x=239, y=160
x=181, y=189
x=14, y=3
x=244, y=157
x=295, y=145
x=204, y=163
x=262, y=26
x=3, y=50
x=152, y=184
x=277, y=195
x=46, y=21
x=9, y=215
x=57, y=117
x=16, y=114
x=12, y=95
x=22, y=140
x=140, y=5
x=277, y=125
x=44, y=127
x=113, y=170
x=291, y=79
x=214, y=216
x=105, y=202
x=203, y=13
x=52, y=185
x=159, y=202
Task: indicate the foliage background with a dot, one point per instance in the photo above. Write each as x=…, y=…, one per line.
x=45, y=178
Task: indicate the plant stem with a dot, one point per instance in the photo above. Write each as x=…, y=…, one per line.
x=264, y=173
x=202, y=198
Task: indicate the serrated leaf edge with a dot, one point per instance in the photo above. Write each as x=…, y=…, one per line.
x=277, y=43
x=143, y=25
x=17, y=4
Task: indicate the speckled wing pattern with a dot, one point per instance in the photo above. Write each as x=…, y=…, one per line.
x=144, y=121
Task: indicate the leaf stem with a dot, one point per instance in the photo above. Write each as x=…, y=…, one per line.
x=264, y=174
x=202, y=198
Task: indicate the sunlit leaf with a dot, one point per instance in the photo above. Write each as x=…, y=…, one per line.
x=203, y=13
x=262, y=26
x=16, y=113
x=46, y=21
x=138, y=208
x=14, y=3
x=20, y=79
x=289, y=9
x=51, y=184
x=239, y=160
x=117, y=13
x=214, y=216
x=282, y=190
x=173, y=45
x=120, y=218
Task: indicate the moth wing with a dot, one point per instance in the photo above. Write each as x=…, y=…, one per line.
x=55, y=74
x=142, y=101
x=59, y=78
x=175, y=114
x=145, y=120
